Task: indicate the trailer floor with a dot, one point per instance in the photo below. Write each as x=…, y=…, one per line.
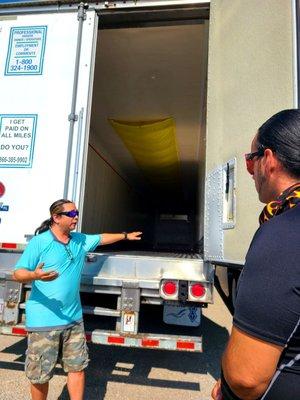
x=140, y=253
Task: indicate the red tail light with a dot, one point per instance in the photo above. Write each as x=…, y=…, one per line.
x=169, y=288
x=197, y=290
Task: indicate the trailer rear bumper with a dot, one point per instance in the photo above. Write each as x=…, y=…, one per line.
x=147, y=340
x=111, y=338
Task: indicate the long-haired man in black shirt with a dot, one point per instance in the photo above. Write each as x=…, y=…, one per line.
x=262, y=357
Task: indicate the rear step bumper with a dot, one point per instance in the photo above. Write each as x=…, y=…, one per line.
x=141, y=340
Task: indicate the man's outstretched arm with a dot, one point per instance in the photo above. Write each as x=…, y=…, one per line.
x=108, y=238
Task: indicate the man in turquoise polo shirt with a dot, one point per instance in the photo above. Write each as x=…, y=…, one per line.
x=53, y=262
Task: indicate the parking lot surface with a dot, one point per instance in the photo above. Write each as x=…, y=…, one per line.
x=131, y=374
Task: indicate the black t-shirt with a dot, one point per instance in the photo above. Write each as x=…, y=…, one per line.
x=268, y=298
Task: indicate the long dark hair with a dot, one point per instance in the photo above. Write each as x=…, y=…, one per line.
x=281, y=133
x=55, y=208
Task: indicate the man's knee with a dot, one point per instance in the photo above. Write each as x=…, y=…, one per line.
x=76, y=374
x=40, y=387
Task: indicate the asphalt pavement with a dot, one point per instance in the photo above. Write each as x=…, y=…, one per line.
x=131, y=374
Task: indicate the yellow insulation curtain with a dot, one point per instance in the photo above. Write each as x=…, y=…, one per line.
x=153, y=146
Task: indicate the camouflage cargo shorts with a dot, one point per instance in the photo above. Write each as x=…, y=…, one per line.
x=45, y=349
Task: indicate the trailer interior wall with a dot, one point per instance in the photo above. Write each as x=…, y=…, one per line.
x=250, y=77
x=145, y=74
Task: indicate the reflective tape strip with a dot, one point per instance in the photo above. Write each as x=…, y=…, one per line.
x=151, y=341
x=12, y=246
x=88, y=337
x=116, y=339
x=185, y=345
x=13, y=330
x=8, y=245
x=19, y=331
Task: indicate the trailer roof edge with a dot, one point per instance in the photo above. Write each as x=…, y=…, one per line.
x=65, y=5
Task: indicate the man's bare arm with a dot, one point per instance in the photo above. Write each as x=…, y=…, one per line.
x=249, y=364
x=23, y=275
x=108, y=238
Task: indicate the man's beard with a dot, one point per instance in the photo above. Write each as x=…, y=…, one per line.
x=261, y=187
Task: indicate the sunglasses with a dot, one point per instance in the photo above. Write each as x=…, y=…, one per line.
x=249, y=158
x=70, y=214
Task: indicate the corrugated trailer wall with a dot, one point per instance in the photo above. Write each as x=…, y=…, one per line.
x=110, y=203
x=250, y=77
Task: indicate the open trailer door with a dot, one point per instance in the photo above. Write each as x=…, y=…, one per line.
x=251, y=76
x=45, y=81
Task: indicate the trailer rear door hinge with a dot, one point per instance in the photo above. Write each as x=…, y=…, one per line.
x=82, y=11
x=73, y=117
x=28, y=236
x=110, y=4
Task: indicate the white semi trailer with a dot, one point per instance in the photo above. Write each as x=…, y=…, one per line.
x=140, y=112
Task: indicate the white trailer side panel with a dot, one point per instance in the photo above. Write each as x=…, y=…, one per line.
x=250, y=77
x=37, y=60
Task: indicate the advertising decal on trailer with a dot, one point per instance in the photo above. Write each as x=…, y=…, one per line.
x=26, y=48
x=17, y=136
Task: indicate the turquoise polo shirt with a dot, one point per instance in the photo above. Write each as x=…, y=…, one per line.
x=56, y=304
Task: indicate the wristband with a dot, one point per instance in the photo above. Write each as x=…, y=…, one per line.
x=125, y=235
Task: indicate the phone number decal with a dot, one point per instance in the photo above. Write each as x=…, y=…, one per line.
x=13, y=160
x=26, y=49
